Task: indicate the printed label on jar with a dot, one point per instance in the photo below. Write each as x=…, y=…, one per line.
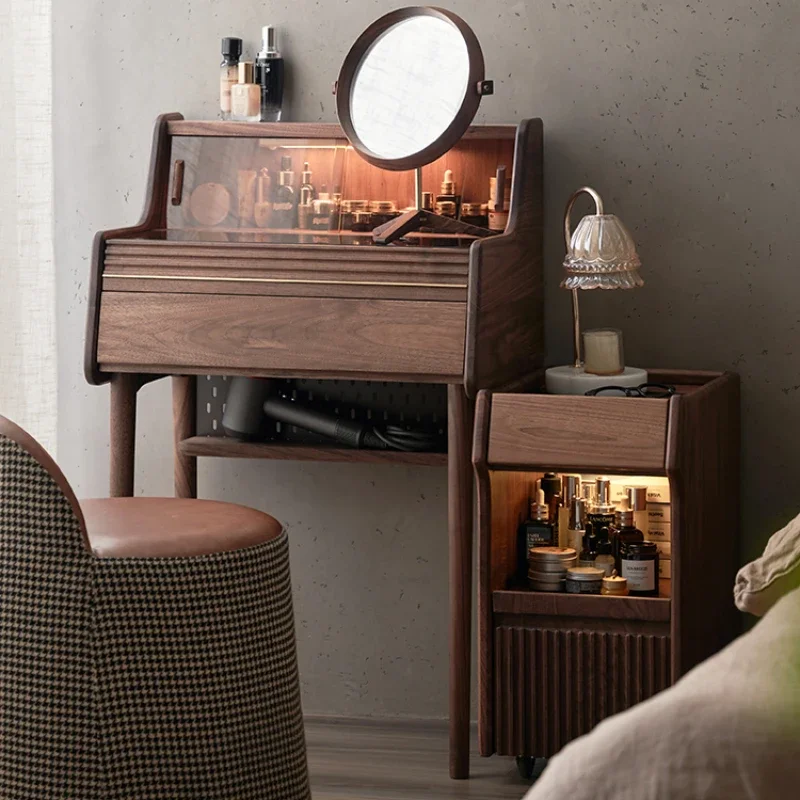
x=641, y=575
x=583, y=587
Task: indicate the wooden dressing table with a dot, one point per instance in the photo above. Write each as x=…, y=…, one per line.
x=174, y=297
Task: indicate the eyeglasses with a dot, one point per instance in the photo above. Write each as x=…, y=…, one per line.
x=657, y=390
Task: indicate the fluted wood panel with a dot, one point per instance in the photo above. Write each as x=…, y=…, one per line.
x=552, y=686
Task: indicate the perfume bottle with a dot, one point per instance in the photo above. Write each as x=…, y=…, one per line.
x=536, y=531
x=269, y=75
x=305, y=208
x=637, y=502
x=245, y=95
x=228, y=72
x=601, y=514
x=448, y=193
x=284, y=198
x=627, y=534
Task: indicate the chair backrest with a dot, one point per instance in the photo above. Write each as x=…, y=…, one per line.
x=48, y=726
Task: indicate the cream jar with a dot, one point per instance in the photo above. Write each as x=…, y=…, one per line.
x=584, y=580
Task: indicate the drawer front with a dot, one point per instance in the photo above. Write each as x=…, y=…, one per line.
x=552, y=686
x=275, y=335
x=591, y=433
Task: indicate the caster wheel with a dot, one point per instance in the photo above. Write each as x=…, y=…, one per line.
x=526, y=766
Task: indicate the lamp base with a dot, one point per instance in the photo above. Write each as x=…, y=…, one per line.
x=574, y=380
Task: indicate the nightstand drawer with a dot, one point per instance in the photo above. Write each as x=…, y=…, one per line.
x=271, y=335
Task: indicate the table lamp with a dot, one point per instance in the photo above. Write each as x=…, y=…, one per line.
x=600, y=255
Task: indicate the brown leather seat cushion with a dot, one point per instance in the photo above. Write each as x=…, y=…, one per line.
x=167, y=527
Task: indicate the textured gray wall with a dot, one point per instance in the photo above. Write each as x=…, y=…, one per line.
x=684, y=116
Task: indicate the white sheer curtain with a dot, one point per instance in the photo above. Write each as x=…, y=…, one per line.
x=28, y=377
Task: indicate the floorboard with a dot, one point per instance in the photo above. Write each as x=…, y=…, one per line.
x=398, y=760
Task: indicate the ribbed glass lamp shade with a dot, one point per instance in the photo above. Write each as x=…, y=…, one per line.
x=601, y=255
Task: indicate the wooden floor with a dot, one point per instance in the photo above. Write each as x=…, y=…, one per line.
x=398, y=760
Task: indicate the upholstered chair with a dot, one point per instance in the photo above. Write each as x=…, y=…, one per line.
x=147, y=646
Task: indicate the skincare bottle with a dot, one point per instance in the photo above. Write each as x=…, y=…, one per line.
x=601, y=514
x=637, y=502
x=576, y=525
x=262, y=211
x=269, y=75
x=448, y=193
x=605, y=558
x=245, y=95
x=536, y=531
x=228, y=72
x=570, y=489
x=627, y=534
x=284, y=198
x=588, y=552
x=306, y=207
x=551, y=486
x=247, y=180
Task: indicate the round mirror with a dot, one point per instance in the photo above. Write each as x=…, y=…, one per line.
x=410, y=86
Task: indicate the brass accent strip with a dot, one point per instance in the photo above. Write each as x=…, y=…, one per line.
x=403, y=284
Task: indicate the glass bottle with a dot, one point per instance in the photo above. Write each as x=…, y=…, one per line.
x=284, y=198
x=576, y=527
x=228, y=72
x=305, y=208
x=589, y=551
x=570, y=489
x=536, y=531
x=627, y=534
x=551, y=486
x=269, y=75
x=245, y=95
x=640, y=568
x=637, y=502
x=605, y=558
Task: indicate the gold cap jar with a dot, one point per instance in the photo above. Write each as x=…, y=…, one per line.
x=615, y=585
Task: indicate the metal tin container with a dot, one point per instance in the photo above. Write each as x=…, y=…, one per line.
x=584, y=580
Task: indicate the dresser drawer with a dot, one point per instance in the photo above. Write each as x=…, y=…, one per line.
x=149, y=331
x=581, y=433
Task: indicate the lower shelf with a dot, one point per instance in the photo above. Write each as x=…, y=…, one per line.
x=226, y=447
x=645, y=609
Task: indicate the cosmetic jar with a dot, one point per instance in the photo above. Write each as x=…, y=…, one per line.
x=615, y=586
x=547, y=567
x=445, y=208
x=475, y=214
x=349, y=210
x=382, y=211
x=639, y=562
x=584, y=580
x=545, y=581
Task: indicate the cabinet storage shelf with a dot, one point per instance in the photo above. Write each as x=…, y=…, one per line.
x=553, y=665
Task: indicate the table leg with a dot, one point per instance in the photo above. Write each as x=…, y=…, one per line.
x=184, y=416
x=460, y=413
x=123, y=433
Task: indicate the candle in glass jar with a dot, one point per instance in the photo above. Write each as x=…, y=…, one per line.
x=603, y=351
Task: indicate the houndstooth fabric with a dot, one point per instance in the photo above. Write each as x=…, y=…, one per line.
x=158, y=679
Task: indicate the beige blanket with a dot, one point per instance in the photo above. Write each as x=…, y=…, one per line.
x=730, y=729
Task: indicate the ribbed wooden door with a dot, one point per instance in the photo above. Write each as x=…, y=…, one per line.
x=552, y=686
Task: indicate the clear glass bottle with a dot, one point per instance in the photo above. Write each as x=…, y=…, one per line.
x=228, y=72
x=589, y=551
x=576, y=526
x=269, y=75
x=245, y=95
x=305, y=208
x=570, y=489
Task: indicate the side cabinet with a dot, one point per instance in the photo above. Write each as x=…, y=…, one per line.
x=552, y=665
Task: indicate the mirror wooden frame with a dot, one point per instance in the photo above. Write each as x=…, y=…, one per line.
x=461, y=121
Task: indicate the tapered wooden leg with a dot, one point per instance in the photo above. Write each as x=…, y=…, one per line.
x=184, y=415
x=123, y=433
x=460, y=523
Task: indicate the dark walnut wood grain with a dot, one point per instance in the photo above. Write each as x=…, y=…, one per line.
x=505, y=326
x=225, y=447
x=281, y=333
x=153, y=216
x=621, y=434
x=553, y=665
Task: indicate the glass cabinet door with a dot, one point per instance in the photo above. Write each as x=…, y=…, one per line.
x=320, y=191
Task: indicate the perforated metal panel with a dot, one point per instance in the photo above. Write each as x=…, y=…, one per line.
x=419, y=406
